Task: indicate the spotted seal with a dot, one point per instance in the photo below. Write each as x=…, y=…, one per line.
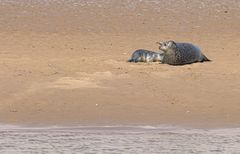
x=181, y=53
x=142, y=55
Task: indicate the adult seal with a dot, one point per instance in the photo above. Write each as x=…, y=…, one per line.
x=142, y=55
x=181, y=53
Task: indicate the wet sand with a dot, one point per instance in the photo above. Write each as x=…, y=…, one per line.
x=65, y=63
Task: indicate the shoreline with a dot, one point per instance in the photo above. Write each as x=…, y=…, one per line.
x=161, y=127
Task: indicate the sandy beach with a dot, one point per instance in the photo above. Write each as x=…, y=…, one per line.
x=64, y=63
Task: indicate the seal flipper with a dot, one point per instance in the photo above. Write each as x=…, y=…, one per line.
x=205, y=58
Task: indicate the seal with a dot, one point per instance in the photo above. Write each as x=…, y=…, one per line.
x=142, y=55
x=181, y=53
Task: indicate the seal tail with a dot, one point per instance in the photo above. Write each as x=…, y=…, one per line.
x=205, y=58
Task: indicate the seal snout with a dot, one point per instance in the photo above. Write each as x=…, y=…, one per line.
x=160, y=45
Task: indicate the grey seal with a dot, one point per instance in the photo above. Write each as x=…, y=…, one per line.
x=181, y=53
x=142, y=55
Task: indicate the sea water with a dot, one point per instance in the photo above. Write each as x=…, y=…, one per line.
x=118, y=139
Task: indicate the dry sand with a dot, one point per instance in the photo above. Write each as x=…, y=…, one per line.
x=64, y=62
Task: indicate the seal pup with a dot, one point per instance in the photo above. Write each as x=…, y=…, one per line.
x=142, y=55
x=181, y=53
